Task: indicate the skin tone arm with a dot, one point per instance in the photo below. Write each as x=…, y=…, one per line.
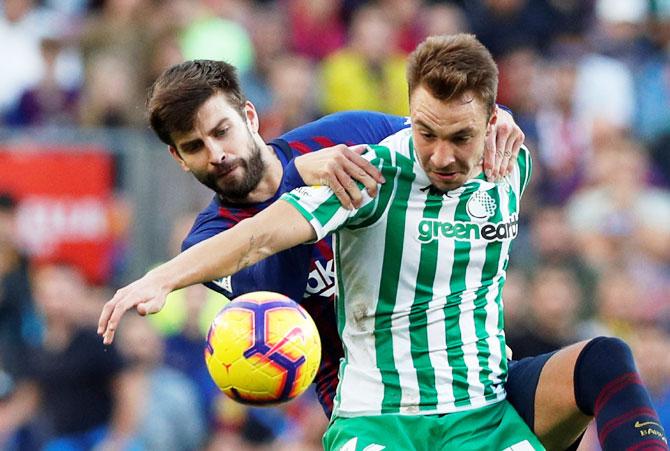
x=340, y=167
x=278, y=227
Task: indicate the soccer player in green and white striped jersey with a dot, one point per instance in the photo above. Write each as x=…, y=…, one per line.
x=420, y=272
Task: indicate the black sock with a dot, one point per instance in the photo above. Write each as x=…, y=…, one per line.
x=608, y=386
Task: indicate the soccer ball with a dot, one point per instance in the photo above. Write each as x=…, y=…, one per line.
x=263, y=348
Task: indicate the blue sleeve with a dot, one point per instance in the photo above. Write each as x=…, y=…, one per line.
x=285, y=272
x=506, y=108
x=292, y=178
x=347, y=127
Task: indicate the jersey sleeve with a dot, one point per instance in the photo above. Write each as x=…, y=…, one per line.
x=523, y=169
x=347, y=127
x=323, y=210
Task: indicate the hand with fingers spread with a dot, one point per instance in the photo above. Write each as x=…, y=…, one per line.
x=340, y=167
x=146, y=295
x=502, y=146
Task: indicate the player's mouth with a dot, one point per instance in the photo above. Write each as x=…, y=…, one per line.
x=446, y=176
x=224, y=172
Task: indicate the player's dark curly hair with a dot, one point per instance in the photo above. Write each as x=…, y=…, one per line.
x=179, y=91
x=448, y=66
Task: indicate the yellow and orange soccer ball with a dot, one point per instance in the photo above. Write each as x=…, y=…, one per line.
x=262, y=349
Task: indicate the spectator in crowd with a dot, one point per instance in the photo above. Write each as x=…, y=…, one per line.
x=597, y=77
x=316, y=28
x=165, y=51
x=563, y=144
x=368, y=74
x=183, y=328
x=442, y=18
x=617, y=305
x=619, y=30
x=16, y=304
x=552, y=242
x=652, y=115
x=651, y=343
x=621, y=219
x=168, y=408
x=47, y=103
x=505, y=24
x=74, y=394
x=291, y=79
x=113, y=40
x=551, y=313
x=17, y=317
x=271, y=42
x=21, y=46
x=520, y=72
x=214, y=34
x=516, y=299
x=405, y=16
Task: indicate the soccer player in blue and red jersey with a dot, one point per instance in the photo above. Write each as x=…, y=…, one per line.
x=198, y=109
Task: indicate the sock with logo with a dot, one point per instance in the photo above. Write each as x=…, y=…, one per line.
x=608, y=387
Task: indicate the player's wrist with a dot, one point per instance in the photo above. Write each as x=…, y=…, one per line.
x=162, y=278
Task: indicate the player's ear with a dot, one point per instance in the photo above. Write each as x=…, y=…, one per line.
x=177, y=157
x=251, y=116
x=490, y=126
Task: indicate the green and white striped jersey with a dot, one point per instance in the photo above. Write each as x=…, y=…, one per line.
x=419, y=284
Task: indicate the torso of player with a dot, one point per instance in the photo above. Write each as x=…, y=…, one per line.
x=420, y=280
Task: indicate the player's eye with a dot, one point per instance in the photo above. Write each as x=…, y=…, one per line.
x=462, y=139
x=221, y=132
x=427, y=135
x=191, y=148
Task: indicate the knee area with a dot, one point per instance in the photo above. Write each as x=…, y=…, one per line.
x=615, y=349
x=602, y=361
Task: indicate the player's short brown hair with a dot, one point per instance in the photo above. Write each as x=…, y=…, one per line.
x=448, y=66
x=180, y=91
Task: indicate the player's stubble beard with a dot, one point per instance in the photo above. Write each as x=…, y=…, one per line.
x=253, y=169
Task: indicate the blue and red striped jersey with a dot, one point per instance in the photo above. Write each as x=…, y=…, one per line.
x=304, y=273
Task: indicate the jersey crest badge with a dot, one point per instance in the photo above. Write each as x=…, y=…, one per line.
x=481, y=205
x=225, y=283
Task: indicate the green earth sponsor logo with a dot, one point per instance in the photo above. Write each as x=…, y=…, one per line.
x=432, y=229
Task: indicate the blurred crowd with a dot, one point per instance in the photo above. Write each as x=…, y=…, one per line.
x=587, y=80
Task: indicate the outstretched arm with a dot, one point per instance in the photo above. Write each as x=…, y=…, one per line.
x=276, y=228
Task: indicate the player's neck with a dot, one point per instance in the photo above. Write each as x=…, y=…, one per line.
x=476, y=171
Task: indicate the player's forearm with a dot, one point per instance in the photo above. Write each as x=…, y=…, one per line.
x=277, y=228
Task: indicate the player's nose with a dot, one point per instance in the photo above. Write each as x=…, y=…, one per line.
x=443, y=155
x=215, y=152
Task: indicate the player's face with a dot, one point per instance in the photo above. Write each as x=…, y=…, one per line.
x=224, y=150
x=449, y=136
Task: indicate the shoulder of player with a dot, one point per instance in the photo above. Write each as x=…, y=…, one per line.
x=336, y=124
x=395, y=149
x=525, y=159
x=208, y=223
x=524, y=152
